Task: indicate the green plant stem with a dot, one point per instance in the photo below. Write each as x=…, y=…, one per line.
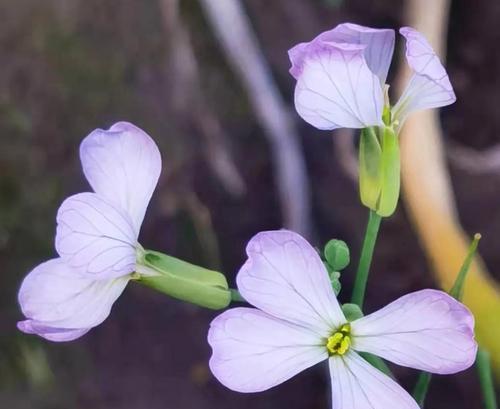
x=358, y=293
x=483, y=366
x=421, y=388
x=236, y=296
x=378, y=363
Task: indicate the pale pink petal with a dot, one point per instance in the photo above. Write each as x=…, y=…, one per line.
x=56, y=300
x=429, y=86
x=426, y=330
x=285, y=277
x=96, y=237
x=336, y=88
x=358, y=385
x=379, y=45
x=51, y=334
x=123, y=165
x=253, y=351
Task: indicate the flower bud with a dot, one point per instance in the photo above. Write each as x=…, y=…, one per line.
x=337, y=254
x=352, y=311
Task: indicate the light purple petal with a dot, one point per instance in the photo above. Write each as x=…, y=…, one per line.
x=285, y=277
x=427, y=330
x=358, y=385
x=122, y=164
x=337, y=89
x=378, y=47
x=429, y=86
x=60, y=304
x=253, y=351
x=96, y=237
x=51, y=334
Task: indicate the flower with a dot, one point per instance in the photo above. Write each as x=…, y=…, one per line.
x=341, y=77
x=298, y=323
x=96, y=237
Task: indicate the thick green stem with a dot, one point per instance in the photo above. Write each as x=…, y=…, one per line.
x=483, y=365
x=358, y=293
x=421, y=388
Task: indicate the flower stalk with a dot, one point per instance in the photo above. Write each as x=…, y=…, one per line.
x=421, y=388
x=372, y=228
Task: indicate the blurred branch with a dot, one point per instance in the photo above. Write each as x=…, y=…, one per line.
x=235, y=34
x=473, y=161
x=190, y=103
x=345, y=152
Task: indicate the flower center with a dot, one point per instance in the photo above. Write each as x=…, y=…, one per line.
x=340, y=341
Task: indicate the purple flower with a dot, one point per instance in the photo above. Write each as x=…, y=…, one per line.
x=341, y=77
x=298, y=323
x=96, y=237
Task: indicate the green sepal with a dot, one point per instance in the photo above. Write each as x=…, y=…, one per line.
x=390, y=173
x=352, y=311
x=370, y=153
x=185, y=281
x=337, y=254
x=379, y=169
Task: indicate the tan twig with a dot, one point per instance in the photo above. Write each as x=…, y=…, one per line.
x=473, y=161
x=429, y=197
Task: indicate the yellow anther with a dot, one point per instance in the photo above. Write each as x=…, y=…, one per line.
x=340, y=341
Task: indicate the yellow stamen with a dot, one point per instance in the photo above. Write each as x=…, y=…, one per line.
x=340, y=341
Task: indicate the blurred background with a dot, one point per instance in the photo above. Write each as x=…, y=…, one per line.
x=209, y=82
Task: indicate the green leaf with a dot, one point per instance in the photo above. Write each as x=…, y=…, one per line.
x=457, y=290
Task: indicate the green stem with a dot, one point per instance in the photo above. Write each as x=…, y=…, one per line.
x=378, y=363
x=421, y=388
x=483, y=365
x=358, y=293
x=236, y=296
x=457, y=290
